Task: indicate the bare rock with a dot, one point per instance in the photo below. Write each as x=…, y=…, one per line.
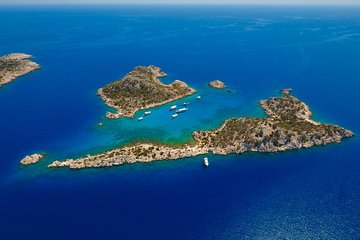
x=217, y=84
x=286, y=91
x=32, y=159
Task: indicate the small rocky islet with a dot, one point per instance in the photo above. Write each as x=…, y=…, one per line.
x=217, y=84
x=15, y=65
x=288, y=127
x=32, y=159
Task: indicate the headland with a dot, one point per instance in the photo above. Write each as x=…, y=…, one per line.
x=15, y=65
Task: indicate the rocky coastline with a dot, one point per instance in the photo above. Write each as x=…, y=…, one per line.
x=141, y=89
x=15, y=65
x=288, y=127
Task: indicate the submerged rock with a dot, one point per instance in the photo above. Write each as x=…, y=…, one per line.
x=286, y=91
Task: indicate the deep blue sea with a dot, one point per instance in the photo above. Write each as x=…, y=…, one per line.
x=255, y=50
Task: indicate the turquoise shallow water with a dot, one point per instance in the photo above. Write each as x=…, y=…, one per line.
x=309, y=194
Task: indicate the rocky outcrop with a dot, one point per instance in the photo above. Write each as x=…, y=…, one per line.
x=288, y=126
x=217, y=84
x=141, y=89
x=15, y=65
x=286, y=91
x=32, y=159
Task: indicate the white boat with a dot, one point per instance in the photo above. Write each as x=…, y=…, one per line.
x=147, y=113
x=140, y=118
x=173, y=107
x=206, y=162
x=186, y=103
x=174, y=116
x=181, y=110
x=198, y=97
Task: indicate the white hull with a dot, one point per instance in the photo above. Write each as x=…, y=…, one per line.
x=181, y=110
x=206, y=162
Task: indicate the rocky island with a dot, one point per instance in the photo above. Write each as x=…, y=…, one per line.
x=141, y=89
x=32, y=159
x=288, y=127
x=15, y=65
x=217, y=84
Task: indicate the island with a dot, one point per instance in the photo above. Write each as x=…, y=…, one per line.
x=141, y=89
x=288, y=127
x=217, y=84
x=15, y=65
x=32, y=159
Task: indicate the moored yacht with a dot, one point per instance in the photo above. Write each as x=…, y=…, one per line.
x=181, y=110
x=198, y=97
x=174, y=116
x=140, y=118
x=173, y=107
x=206, y=162
x=147, y=113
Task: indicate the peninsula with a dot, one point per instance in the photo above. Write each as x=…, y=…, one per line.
x=15, y=65
x=288, y=127
x=141, y=89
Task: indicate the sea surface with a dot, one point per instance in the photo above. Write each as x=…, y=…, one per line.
x=255, y=50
